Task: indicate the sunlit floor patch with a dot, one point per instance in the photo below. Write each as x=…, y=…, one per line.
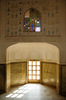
x=32, y=91
x=16, y=91
x=20, y=95
x=9, y=95
x=25, y=91
x=20, y=92
x=14, y=95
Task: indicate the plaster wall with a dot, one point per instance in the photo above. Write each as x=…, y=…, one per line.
x=8, y=77
x=18, y=74
x=49, y=74
x=32, y=51
x=57, y=40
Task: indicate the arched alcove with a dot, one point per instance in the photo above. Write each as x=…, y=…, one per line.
x=33, y=51
x=18, y=56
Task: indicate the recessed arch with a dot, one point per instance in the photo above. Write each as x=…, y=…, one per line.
x=32, y=20
x=32, y=51
x=18, y=55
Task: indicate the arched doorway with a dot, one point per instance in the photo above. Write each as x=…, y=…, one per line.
x=18, y=56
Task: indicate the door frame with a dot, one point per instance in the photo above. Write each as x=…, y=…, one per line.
x=28, y=74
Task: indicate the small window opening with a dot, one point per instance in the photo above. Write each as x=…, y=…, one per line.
x=32, y=21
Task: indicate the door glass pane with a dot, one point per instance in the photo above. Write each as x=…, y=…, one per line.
x=34, y=77
x=34, y=72
x=38, y=62
x=34, y=67
x=34, y=62
x=30, y=77
x=38, y=67
x=38, y=77
x=30, y=62
x=30, y=72
x=30, y=67
x=38, y=72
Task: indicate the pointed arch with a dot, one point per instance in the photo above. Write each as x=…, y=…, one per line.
x=32, y=20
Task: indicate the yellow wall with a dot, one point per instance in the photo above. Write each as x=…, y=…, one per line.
x=8, y=77
x=18, y=73
x=15, y=74
x=49, y=73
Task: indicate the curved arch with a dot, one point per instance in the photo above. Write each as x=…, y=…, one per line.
x=32, y=20
x=32, y=8
x=32, y=51
x=47, y=53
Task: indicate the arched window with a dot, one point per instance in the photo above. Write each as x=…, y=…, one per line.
x=32, y=21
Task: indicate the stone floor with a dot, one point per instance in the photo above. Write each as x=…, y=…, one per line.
x=31, y=92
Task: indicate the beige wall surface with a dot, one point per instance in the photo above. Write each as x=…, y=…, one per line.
x=55, y=24
x=49, y=74
x=57, y=40
x=32, y=51
x=18, y=74
x=8, y=77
